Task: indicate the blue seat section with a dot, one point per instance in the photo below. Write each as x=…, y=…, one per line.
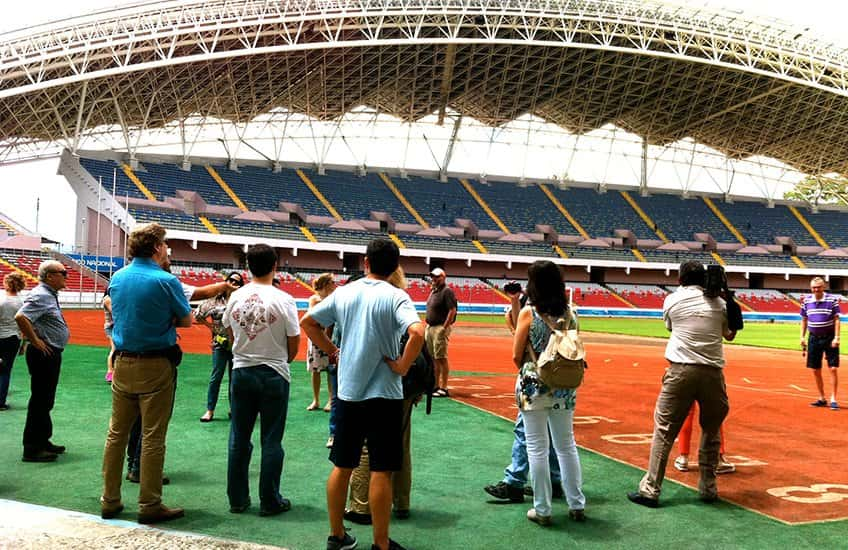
x=520, y=249
x=601, y=214
x=761, y=260
x=164, y=180
x=593, y=253
x=354, y=197
x=825, y=262
x=681, y=218
x=675, y=257
x=760, y=224
x=230, y=226
x=830, y=225
x=441, y=203
x=262, y=189
x=521, y=208
x=438, y=243
x=169, y=220
x=105, y=169
x=342, y=236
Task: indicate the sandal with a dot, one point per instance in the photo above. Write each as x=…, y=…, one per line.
x=312, y=406
x=207, y=417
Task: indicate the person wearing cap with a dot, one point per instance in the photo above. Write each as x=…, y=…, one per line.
x=41, y=322
x=441, y=314
x=209, y=314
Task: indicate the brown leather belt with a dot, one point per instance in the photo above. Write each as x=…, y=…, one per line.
x=152, y=354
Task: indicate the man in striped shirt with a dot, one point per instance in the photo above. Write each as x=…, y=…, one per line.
x=820, y=314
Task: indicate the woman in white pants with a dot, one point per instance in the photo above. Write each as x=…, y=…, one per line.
x=542, y=407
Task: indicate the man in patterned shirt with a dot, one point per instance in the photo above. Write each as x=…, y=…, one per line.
x=820, y=314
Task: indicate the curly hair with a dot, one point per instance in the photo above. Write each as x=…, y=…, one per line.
x=14, y=282
x=144, y=239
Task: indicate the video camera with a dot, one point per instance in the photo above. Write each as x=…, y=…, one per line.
x=715, y=285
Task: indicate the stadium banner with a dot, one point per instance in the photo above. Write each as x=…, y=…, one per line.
x=102, y=264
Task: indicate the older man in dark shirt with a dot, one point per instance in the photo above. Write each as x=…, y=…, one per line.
x=41, y=322
x=441, y=314
x=147, y=305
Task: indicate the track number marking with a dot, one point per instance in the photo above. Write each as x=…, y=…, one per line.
x=740, y=460
x=629, y=439
x=594, y=420
x=820, y=493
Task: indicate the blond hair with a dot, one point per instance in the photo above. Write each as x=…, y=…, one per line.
x=817, y=280
x=14, y=282
x=397, y=278
x=144, y=239
x=322, y=281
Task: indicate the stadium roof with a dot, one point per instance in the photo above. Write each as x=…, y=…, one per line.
x=659, y=71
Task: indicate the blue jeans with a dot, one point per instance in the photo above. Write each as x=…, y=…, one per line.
x=333, y=374
x=222, y=360
x=516, y=473
x=257, y=391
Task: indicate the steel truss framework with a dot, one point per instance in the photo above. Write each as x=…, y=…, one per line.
x=660, y=72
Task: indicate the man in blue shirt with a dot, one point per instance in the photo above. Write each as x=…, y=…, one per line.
x=373, y=315
x=148, y=305
x=41, y=322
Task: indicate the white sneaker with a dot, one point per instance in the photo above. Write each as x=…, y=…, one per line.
x=724, y=467
x=681, y=463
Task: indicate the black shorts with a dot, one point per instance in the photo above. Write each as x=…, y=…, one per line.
x=377, y=423
x=818, y=346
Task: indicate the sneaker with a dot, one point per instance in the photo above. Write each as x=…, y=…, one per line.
x=536, y=518
x=724, y=467
x=357, y=517
x=638, y=498
x=577, y=515
x=392, y=546
x=834, y=406
x=284, y=506
x=240, y=508
x=819, y=403
x=4, y=407
x=681, y=463
x=346, y=543
x=503, y=491
x=329, y=442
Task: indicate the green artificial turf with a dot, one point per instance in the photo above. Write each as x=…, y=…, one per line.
x=457, y=450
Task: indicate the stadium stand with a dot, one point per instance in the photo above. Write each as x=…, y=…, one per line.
x=355, y=197
x=598, y=253
x=830, y=225
x=519, y=249
x=825, y=262
x=232, y=226
x=28, y=261
x=168, y=220
x=442, y=203
x=594, y=295
x=641, y=296
x=681, y=218
x=767, y=301
x=601, y=214
x=770, y=260
x=675, y=257
x=447, y=244
x=760, y=225
x=521, y=208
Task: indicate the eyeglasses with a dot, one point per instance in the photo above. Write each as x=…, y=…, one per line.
x=63, y=273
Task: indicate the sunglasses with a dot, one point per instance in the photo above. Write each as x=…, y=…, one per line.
x=63, y=273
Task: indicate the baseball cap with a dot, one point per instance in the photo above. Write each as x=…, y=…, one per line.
x=438, y=272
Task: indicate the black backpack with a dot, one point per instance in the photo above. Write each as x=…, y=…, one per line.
x=420, y=379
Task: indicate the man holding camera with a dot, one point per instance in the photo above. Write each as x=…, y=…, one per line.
x=441, y=314
x=820, y=314
x=697, y=319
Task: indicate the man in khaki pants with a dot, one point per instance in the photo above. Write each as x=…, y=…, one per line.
x=147, y=305
x=441, y=314
x=695, y=373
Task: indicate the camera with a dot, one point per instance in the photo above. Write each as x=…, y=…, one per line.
x=715, y=281
x=512, y=287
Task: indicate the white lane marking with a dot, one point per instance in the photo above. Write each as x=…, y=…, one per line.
x=794, y=387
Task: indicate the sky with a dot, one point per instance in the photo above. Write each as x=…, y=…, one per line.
x=37, y=181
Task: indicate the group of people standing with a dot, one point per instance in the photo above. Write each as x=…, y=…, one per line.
x=367, y=334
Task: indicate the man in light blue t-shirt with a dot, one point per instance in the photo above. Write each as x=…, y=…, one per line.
x=374, y=315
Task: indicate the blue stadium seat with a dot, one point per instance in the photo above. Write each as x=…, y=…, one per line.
x=441, y=203
x=601, y=214
x=681, y=218
x=521, y=208
x=760, y=224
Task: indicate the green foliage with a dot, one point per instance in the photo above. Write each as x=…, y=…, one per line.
x=816, y=189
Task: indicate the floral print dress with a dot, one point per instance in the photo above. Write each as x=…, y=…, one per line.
x=530, y=392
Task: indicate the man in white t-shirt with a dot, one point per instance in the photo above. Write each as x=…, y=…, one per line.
x=263, y=327
x=372, y=315
x=695, y=354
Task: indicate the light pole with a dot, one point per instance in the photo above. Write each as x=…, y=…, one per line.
x=82, y=257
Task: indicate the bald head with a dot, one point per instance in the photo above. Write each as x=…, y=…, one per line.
x=53, y=274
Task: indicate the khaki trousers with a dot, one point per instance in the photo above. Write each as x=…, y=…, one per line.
x=360, y=480
x=140, y=386
x=682, y=385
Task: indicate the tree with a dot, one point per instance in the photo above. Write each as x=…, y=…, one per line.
x=817, y=189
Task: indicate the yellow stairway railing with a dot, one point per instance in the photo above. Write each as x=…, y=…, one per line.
x=480, y=247
x=227, y=189
x=133, y=178
x=808, y=227
x=718, y=259
x=562, y=210
x=799, y=262
x=638, y=254
x=208, y=224
x=484, y=206
x=730, y=227
x=318, y=194
x=397, y=240
x=400, y=196
x=645, y=217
